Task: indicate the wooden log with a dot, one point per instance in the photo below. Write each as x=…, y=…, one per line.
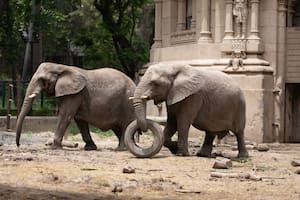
x=230, y=175
x=249, y=176
x=222, y=163
x=64, y=144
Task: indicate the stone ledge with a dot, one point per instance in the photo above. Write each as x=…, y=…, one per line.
x=32, y=124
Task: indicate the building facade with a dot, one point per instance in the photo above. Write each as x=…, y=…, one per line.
x=257, y=42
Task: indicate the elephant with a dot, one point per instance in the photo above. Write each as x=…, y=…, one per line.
x=209, y=100
x=98, y=97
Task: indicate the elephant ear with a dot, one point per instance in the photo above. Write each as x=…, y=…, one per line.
x=187, y=82
x=70, y=82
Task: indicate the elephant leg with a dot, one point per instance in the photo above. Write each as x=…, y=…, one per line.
x=207, y=146
x=169, y=131
x=85, y=133
x=68, y=108
x=120, y=134
x=243, y=153
x=183, y=132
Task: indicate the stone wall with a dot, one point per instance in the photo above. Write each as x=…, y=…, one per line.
x=31, y=124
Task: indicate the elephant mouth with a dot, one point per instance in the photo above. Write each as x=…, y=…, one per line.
x=158, y=101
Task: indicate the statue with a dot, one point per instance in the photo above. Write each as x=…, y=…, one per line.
x=237, y=60
x=240, y=14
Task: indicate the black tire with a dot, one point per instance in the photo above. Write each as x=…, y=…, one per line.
x=136, y=149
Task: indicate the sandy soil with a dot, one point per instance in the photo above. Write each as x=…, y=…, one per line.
x=35, y=172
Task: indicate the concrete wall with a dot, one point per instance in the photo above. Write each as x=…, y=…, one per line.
x=31, y=124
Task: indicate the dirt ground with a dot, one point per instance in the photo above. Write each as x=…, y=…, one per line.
x=35, y=172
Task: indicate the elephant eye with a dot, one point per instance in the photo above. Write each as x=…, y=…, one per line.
x=44, y=82
x=155, y=83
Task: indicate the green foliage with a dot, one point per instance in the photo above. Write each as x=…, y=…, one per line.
x=108, y=32
x=73, y=130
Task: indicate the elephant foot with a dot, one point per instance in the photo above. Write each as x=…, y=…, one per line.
x=182, y=153
x=172, y=146
x=205, y=153
x=243, y=155
x=90, y=147
x=55, y=146
x=121, y=148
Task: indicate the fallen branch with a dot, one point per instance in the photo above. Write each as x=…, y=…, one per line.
x=236, y=175
x=188, y=191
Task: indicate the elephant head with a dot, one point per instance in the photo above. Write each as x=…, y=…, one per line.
x=54, y=79
x=164, y=82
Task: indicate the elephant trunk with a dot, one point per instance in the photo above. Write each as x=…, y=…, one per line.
x=32, y=90
x=139, y=103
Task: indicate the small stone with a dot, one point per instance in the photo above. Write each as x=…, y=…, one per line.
x=297, y=171
x=222, y=163
x=295, y=163
x=157, y=187
x=1, y=144
x=117, y=189
x=262, y=147
x=128, y=170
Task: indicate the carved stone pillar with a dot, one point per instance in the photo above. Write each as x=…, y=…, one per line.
x=158, y=23
x=278, y=124
x=218, y=19
x=254, y=4
x=194, y=14
x=228, y=19
x=181, y=8
x=205, y=34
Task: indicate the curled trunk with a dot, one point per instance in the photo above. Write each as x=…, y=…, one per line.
x=140, y=109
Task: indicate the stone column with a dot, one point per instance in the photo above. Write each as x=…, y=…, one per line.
x=158, y=23
x=205, y=34
x=194, y=14
x=278, y=124
x=181, y=10
x=254, y=5
x=228, y=19
x=218, y=18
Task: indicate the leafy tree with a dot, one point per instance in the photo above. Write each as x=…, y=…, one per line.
x=106, y=31
x=120, y=18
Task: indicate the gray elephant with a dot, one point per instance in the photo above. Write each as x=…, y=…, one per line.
x=209, y=100
x=97, y=97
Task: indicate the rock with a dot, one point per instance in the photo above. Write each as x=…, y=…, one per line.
x=222, y=163
x=297, y=171
x=128, y=170
x=255, y=177
x=1, y=144
x=117, y=188
x=29, y=159
x=262, y=147
x=295, y=163
x=248, y=146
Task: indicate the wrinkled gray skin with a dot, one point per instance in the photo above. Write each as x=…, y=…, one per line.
x=209, y=100
x=97, y=97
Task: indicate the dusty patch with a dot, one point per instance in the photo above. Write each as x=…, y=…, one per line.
x=34, y=172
